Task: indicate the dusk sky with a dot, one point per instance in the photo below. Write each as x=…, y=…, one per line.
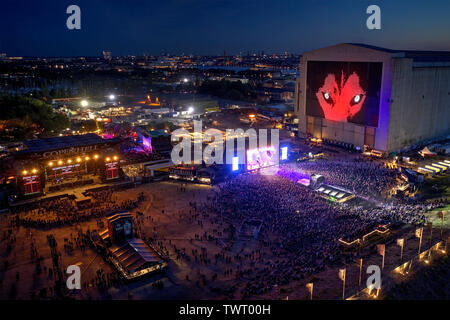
x=38, y=28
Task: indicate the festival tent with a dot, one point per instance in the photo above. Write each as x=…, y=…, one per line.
x=425, y=152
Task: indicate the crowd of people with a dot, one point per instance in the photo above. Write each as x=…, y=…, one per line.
x=300, y=228
x=362, y=176
x=66, y=211
x=299, y=231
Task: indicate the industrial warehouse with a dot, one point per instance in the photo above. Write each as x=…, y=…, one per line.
x=359, y=96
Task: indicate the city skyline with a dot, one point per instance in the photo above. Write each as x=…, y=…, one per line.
x=206, y=28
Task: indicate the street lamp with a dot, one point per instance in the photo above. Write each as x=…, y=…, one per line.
x=84, y=103
x=112, y=97
x=190, y=110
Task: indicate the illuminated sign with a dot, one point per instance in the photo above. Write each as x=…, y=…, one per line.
x=284, y=153
x=31, y=184
x=61, y=152
x=30, y=179
x=112, y=170
x=235, y=166
x=112, y=165
x=66, y=168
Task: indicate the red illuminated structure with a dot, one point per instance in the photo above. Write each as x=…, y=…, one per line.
x=359, y=96
x=31, y=184
x=343, y=100
x=53, y=164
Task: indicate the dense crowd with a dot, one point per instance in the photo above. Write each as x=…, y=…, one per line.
x=66, y=211
x=367, y=178
x=300, y=228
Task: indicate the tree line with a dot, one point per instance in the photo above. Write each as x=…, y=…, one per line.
x=24, y=117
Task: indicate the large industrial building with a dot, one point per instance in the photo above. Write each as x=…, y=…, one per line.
x=363, y=95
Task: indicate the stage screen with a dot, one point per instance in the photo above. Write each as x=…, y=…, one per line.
x=235, y=166
x=112, y=170
x=344, y=91
x=260, y=158
x=284, y=153
x=31, y=185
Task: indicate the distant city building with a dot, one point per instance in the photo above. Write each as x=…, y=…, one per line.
x=265, y=94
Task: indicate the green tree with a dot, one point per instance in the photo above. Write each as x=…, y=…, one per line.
x=30, y=116
x=90, y=125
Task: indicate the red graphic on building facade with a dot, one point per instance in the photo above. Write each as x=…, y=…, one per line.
x=341, y=101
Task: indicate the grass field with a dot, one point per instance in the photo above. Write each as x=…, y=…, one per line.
x=446, y=208
x=436, y=221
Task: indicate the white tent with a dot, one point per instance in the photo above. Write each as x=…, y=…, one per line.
x=425, y=152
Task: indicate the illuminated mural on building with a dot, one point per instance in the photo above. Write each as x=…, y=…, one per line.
x=344, y=91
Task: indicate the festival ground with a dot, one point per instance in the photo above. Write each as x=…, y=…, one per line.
x=191, y=241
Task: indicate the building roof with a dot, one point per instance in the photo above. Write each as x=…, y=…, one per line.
x=416, y=55
x=157, y=133
x=134, y=255
x=64, y=142
x=373, y=47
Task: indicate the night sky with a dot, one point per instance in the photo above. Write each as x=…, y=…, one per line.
x=38, y=27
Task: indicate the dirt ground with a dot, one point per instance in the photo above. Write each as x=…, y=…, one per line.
x=169, y=218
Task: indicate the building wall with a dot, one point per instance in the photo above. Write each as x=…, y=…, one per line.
x=342, y=131
x=420, y=103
